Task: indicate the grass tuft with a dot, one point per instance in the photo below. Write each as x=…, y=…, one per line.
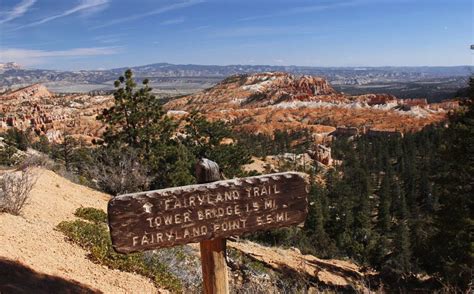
x=91, y=214
x=94, y=236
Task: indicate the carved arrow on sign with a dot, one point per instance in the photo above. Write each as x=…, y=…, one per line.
x=147, y=207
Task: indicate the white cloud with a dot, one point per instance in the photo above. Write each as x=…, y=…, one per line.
x=160, y=10
x=17, y=11
x=109, y=39
x=250, y=31
x=32, y=57
x=85, y=6
x=305, y=9
x=173, y=21
x=325, y=6
x=322, y=6
x=197, y=29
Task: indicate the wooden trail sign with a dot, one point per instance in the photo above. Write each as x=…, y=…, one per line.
x=174, y=216
x=207, y=213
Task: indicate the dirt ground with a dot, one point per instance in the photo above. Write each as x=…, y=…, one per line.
x=29, y=242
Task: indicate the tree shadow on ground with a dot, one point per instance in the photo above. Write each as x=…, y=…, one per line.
x=18, y=278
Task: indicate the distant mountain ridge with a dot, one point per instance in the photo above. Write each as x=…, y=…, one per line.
x=12, y=74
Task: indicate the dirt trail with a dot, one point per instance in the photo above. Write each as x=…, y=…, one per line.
x=32, y=240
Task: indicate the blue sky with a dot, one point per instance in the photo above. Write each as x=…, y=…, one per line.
x=96, y=34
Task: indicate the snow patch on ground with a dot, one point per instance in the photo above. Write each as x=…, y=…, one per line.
x=260, y=86
x=74, y=104
x=414, y=111
x=100, y=99
x=177, y=112
x=387, y=106
x=418, y=112
x=315, y=104
x=238, y=101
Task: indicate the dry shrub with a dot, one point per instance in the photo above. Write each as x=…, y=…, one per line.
x=119, y=172
x=183, y=263
x=15, y=188
x=37, y=160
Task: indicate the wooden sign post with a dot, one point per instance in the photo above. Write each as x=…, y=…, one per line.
x=213, y=252
x=207, y=213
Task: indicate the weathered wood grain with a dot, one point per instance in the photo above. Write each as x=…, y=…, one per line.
x=169, y=217
x=215, y=279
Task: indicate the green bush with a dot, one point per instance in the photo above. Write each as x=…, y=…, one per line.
x=10, y=156
x=94, y=236
x=17, y=138
x=91, y=214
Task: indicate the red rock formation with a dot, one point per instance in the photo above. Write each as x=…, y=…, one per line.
x=345, y=131
x=265, y=102
x=323, y=155
x=39, y=110
x=258, y=103
x=377, y=99
x=414, y=102
x=35, y=91
x=445, y=105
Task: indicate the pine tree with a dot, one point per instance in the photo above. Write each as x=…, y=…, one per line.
x=453, y=247
x=384, y=218
x=379, y=254
x=43, y=145
x=402, y=249
x=362, y=231
x=64, y=151
x=137, y=118
x=17, y=138
x=315, y=223
x=344, y=218
x=207, y=139
x=172, y=165
x=7, y=153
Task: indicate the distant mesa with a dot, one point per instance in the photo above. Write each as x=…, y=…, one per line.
x=256, y=90
x=265, y=102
